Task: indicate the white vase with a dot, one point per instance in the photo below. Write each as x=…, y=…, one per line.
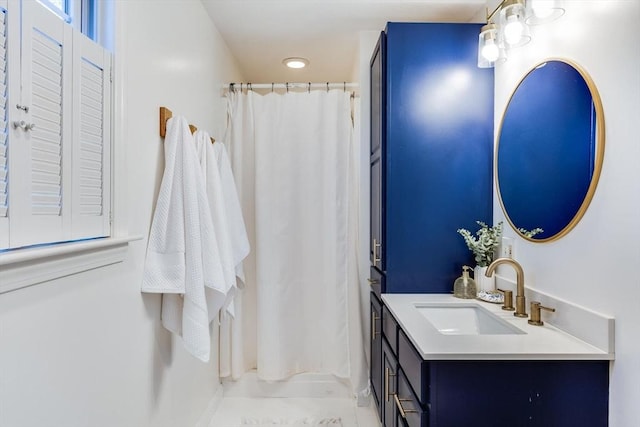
x=483, y=283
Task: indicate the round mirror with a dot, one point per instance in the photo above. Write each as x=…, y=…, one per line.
x=550, y=150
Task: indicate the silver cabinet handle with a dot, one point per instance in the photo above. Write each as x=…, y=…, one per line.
x=387, y=376
x=22, y=107
x=374, y=319
x=376, y=255
x=23, y=125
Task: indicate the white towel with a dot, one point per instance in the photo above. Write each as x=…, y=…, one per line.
x=164, y=269
x=237, y=228
x=181, y=237
x=213, y=184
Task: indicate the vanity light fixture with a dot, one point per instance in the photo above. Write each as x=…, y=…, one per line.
x=490, y=46
x=295, y=62
x=543, y=11
x=512, y=21
x=510, y=29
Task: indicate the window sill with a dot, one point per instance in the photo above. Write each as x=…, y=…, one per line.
x=27, y=267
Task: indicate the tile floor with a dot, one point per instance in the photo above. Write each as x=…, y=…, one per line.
x=233, y=410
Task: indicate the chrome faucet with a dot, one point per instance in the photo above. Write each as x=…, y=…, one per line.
x=520, y=300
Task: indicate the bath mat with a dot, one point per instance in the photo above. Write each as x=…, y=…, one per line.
x=301, y=422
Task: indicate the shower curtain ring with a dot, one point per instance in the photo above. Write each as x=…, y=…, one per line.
x=309, y=88
x=344, y=87
x=287, y=85
x=327, y=86
x=271, y=87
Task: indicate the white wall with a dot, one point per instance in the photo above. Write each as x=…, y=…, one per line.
x=89, y=350
x=595, y=265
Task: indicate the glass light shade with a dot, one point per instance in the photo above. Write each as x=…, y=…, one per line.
x=490, y=48
x=295, y=62
x=543, y=11
x=515, y=31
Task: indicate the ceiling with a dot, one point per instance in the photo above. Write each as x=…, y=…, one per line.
x=261, y=33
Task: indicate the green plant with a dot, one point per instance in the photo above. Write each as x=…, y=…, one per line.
x=485, y=244
x=531, y=233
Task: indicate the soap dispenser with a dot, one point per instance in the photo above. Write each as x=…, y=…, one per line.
x=465, y=286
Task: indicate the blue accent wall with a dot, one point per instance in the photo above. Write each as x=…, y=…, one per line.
x=437, y=152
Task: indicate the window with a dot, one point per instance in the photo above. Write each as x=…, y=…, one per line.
x=81, y=14
x=55, y=135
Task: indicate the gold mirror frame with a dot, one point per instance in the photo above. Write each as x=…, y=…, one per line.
x=599, y=152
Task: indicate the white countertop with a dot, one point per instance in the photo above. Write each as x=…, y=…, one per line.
x=537, y=343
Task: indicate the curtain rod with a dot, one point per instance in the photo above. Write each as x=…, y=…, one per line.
x=289, y=85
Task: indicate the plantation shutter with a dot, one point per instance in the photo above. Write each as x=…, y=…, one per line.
x=91, y=135
x=40, y=204
x=4, y=134
x=55, y=129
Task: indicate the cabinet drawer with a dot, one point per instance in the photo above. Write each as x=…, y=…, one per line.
x=409, y=411
x=376, y=281
x=390, y=329
x=415, y=369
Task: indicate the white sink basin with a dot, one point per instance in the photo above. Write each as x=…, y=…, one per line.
x=465, y=319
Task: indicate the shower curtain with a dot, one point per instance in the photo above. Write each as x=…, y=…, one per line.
x=294, y=160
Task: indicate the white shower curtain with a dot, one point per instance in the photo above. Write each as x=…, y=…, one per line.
x=293, y=157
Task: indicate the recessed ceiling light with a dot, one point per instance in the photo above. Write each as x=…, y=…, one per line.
x=295, y=62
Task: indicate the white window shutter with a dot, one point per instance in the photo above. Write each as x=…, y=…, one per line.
x=40, y=209
x=4, y=130
x=92, y=139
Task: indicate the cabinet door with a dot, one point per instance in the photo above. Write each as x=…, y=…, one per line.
x=378, y=144
x=376, y=351
x=389, y=383
x=569, y=393
x=377, y=215
x=463, y=389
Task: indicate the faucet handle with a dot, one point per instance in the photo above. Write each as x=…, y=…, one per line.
x=508, y=300
x=535, y=313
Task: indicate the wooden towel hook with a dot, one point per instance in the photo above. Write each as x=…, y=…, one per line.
x=166, y=114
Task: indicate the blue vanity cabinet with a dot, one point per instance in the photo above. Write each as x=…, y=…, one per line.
x=375, y=371
x=491, y=393
x=431, y=171
x=431, y=153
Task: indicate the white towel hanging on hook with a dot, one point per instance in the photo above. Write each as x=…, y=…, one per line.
x=182, y=237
